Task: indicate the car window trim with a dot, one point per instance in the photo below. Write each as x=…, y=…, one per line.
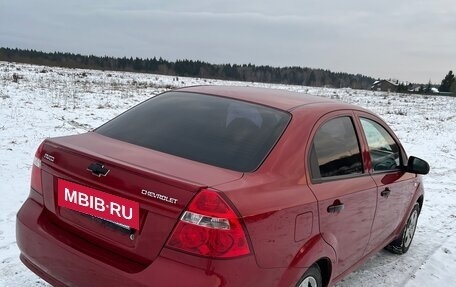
x=337, y=177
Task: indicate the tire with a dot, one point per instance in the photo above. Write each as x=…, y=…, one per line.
x=402, y=244
x=312, y=278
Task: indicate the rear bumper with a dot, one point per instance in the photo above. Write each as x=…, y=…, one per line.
x=55, y=260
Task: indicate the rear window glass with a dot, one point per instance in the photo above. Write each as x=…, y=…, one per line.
x=218, y=131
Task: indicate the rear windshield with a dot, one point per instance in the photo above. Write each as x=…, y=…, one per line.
x=218, y=131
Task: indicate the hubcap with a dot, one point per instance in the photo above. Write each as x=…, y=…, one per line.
x=309, y=282
x=410, y=228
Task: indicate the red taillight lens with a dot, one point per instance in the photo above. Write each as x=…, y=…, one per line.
x=210, y=227
x=36, y=170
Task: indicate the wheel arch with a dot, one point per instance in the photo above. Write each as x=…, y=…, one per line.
x=315, y=252
x=326, y=270
x=420, y=201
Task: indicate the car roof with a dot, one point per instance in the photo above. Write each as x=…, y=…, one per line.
x=280, y=99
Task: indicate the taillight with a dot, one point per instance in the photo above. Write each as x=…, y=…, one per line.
x=210, y=227
x=36, y=170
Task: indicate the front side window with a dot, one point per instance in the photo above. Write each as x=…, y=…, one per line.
x=335, y=149
x=383, y=150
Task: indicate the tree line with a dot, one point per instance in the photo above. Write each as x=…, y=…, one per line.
x=247, y=72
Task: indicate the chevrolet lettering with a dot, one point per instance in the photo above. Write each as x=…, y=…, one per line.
x=159, y=196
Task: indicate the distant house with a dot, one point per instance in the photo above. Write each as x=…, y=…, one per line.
x=416, y=89
x=384, y=85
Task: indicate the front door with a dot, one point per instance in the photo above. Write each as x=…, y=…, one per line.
x=395, y=187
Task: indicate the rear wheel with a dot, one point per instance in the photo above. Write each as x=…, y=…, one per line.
x=402, y=243
x=312, y=278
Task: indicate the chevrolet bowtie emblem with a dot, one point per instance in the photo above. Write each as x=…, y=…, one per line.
x=98, y=169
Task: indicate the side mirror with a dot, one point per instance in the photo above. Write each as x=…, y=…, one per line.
x=417, y=165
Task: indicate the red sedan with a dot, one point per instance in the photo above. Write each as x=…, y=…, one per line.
x=220, y=186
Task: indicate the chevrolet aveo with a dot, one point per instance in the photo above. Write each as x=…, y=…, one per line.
x=220, y=186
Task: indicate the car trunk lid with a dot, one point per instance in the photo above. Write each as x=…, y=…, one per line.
x=160, y=184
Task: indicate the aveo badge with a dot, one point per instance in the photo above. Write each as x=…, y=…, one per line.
x=97, y=203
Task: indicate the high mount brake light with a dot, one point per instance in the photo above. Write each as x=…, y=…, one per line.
x=35, y=181
x=210, y=227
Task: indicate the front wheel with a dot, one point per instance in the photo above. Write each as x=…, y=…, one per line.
x=312, y=278
x=403, y=242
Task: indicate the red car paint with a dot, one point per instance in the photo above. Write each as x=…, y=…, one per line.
x=279, y=213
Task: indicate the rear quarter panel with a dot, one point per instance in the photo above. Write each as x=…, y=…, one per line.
x=278, y=208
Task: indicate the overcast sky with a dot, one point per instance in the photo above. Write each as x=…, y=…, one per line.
x=409, y=40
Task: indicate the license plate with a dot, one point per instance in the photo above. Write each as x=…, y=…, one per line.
x=100, y=204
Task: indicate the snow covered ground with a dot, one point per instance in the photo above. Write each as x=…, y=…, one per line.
x=47, y=101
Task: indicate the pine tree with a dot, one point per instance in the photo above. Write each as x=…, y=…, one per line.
x=428, y=89
x=453, y=87
x=402, y=88
x=447, y=82
x=312, y=79
x=421, y=90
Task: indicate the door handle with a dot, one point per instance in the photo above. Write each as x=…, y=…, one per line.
x=386, y=192
x=336, y=207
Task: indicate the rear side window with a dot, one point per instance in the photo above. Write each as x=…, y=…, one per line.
x=335, y=150
x=218, y=131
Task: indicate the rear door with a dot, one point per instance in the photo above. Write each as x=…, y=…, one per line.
x=346, y=194
x=395, y=187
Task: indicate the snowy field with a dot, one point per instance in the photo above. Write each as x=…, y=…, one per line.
x=47, y=102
